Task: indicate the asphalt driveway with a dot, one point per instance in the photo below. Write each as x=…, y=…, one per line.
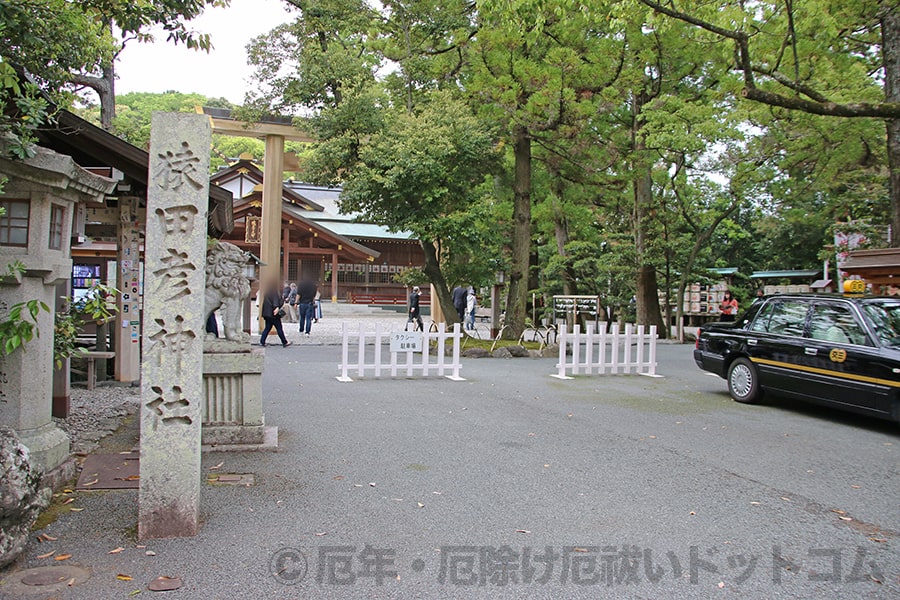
x=514, y=484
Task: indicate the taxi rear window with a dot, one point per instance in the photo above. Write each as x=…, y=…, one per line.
x=782, y=317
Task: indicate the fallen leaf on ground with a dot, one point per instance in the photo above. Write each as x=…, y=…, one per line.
x=48, y=555
x=338, y=477
x=134, y=592
x=76, y=509
x=217, y=467
x=62, y=557
x=164, y=584
x=755, y=503
x=879, y=540
x=91, y=482
x=420, y=505
x=121, y=577
x=116, y=551
x=150, y=553
x=70, y=582
x=845, y=518
x=522, y=531
x=579, y=549
x=834, y=510
x=68, y=501
x=321, y=534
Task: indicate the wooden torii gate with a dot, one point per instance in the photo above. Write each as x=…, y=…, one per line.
x=274, y=131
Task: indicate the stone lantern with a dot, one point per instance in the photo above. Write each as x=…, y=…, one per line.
x=40, y=196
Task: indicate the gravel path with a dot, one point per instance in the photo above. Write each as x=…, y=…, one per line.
x=97, y=413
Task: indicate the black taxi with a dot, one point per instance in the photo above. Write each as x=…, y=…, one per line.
x=829, y=349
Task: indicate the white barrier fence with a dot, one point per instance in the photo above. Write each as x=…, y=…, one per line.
x=371, y=356
x=612, y=353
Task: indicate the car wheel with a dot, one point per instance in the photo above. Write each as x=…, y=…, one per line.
x=743, y=381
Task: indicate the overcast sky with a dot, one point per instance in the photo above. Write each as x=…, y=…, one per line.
x=163, y=66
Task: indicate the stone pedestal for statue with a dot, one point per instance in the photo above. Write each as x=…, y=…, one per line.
x=232, y=370
x=43, y=191
x=232, y=409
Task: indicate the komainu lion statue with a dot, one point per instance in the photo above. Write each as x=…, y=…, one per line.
x=227, y=288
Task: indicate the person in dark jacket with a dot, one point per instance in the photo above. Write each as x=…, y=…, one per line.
x=459, y=295
x=271, y=305
x=306, y=304
x=415, y=314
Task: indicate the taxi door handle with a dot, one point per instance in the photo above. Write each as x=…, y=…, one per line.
x=810, y=351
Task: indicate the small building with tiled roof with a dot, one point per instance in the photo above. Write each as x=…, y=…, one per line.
x=353, y=261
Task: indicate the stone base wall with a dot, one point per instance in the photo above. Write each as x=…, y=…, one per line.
x=232, y=398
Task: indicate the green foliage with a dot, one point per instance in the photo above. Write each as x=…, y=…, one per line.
x=50, y=41
x=19, y=325
x=70, y=321
x=315, y=61
x=411, y=276
x=426, y=172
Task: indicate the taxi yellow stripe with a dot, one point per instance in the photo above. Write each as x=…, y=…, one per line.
x=853, y=376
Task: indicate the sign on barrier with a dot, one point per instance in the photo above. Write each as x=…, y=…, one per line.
x=409, y=353
x=406, y=341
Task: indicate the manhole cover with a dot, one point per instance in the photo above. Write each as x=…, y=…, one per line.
x=44, y=579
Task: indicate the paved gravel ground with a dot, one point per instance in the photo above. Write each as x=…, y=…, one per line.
x=512, y=484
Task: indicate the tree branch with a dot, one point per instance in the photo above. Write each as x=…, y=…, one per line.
x=819, y=105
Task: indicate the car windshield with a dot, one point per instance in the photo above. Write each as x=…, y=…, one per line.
x=886, y=319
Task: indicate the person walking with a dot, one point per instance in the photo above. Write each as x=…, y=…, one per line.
x=291, y=300
x=415, y=315
x=306, y=304
x=459, y=301
x=471, y=302
x=318, y=302
x=271, y=314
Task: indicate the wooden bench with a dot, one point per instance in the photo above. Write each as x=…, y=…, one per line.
x=91, y=358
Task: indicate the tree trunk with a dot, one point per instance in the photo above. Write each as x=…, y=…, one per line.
x=647, y=290
x=561, y=233
x=432, y=269
x=105, y=87
x=517, y=292
x=890, y=49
